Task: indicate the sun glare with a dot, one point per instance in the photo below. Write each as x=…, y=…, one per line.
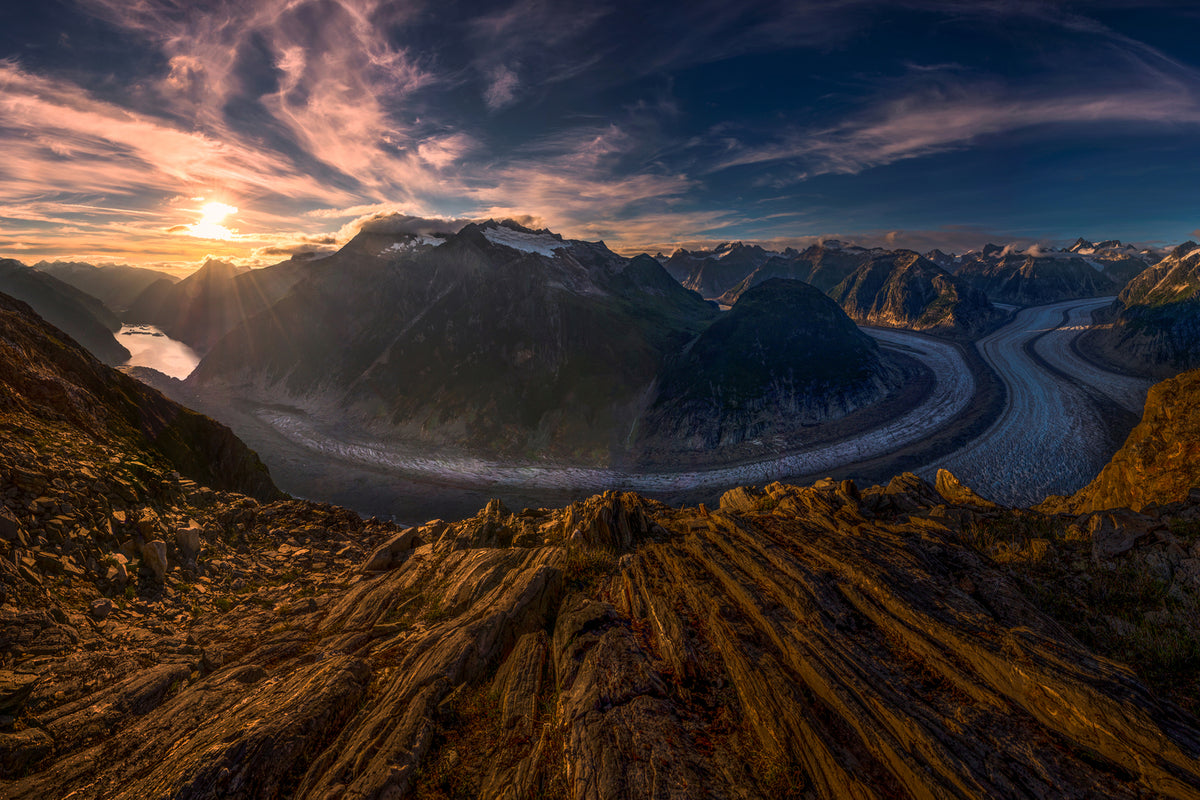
x=211, y=216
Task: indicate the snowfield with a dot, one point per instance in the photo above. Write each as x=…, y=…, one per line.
x=954, y=389
x=1051, y=437
x=528, y=242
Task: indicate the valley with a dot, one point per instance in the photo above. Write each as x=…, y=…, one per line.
x=1061, y=419
x=1063, y=416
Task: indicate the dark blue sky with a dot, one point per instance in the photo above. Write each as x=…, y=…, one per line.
x=132, y=128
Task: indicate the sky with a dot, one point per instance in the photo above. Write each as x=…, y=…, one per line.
x=162, y=132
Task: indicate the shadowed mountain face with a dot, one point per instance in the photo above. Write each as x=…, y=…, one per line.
x=82, y=316
x=1085, y=270
x=1025, y=280
x=904, y=290
x=210, y=302
x=822, y=265
x=1156, y=320
x=713, y=272
x=784, y=355
x=498, y=338
x=47, y=377
x=116, y=285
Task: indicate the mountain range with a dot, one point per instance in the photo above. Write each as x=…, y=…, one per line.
x=518, y=342
x=213, y=300
x=1005, y=274
x=115, y=285
x=887, y=288
x=1038, y=276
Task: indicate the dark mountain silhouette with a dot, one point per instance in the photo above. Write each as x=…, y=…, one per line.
x=83, y=317
x=210, y=302
x=115, y=285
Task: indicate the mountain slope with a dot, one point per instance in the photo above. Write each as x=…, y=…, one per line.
x=80, y=315
x=904, y=290
x=882, y=287
x=161, y=638
x=819, y=640
x=822, y=265
x=53, y=386
x=1155, y=328
x=1160, y=460
x=498, y=339
x=713, y=272
x=115, y=285
x=1031, y=280
x=213, y=300
x=785, y=355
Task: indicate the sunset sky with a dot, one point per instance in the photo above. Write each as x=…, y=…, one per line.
x=162, y=131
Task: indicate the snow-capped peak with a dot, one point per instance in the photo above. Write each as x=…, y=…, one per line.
x=412, y=243
x=542, y=243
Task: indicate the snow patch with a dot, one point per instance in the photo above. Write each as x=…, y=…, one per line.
x=411, y=244
x=541, y=243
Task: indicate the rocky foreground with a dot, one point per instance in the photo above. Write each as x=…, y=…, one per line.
x=161, y=638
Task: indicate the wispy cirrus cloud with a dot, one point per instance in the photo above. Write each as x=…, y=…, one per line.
x=926, y=124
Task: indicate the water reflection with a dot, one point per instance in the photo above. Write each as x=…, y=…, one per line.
x=150, y=347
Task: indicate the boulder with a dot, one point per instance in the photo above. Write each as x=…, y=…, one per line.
x=392, y=552
x=101, y=608
x=187, y=539
x=958, y=493
x=744, y=499
x=10, y=527
x=15, y=688
x=154, y=556
x=1116, y=532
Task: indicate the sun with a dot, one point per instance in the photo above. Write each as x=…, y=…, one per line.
x=211, y=216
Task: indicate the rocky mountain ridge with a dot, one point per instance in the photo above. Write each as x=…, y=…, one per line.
x=884, y=288
x=904, y=290
x=1028, y=279
x=1006, y=274
x=1159, y=463
x=48, y=377
x=1153, y=327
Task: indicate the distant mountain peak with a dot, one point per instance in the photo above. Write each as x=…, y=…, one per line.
x=1184, y=250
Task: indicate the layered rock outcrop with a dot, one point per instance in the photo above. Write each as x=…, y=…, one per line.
x=162, y=638
x=1160, y=460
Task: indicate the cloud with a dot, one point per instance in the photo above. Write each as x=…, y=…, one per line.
x=361, y=210
x=502, y=87
x=298, y=250
x=925, y=124
x=393, y=223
